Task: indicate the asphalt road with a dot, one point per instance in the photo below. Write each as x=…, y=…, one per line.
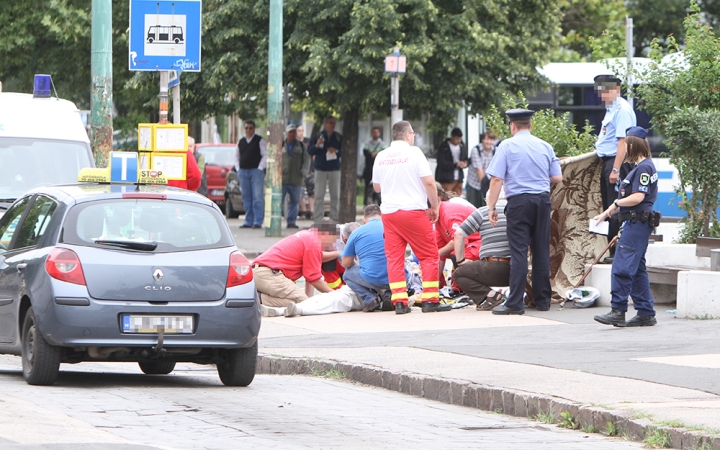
x=579, y=344
x=114, y=406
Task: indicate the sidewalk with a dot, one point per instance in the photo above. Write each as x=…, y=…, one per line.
x=664, y=376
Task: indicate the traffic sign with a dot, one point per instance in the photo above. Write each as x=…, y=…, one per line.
x=173, y=79
x=165, y=35
x=123, y=167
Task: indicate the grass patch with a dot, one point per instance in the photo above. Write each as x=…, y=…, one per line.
x=705, y=316
x=657, y=438
x=567, y=420
x=637, y=414
x=587, y=428
x=499, y=411
x=610, y=429
x=546, y=417
x=671, y=423
x=336, y=373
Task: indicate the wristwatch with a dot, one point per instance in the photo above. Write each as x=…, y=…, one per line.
x=491, y=209
x=616, y=202
x=615, y=170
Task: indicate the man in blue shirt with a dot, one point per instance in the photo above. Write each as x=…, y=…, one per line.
x=526, y=166
x=610, y=144
x=368, y=277
x=326, y=148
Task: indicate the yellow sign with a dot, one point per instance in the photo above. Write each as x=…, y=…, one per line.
x=172, y=165
x=152, y=177
x=145, y=137
x=170, y=138
x=93, y=175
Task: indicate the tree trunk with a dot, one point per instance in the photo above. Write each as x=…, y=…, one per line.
x=348, y=165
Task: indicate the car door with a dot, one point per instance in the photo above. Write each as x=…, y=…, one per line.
x=14, y=267
x=9, y=226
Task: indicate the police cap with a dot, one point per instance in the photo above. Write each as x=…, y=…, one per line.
x=637, y=131
x=605, y=82
x=519, y=114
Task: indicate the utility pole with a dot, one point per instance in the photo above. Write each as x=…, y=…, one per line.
x=630, y=51
x=273, y=179
x=101, y=102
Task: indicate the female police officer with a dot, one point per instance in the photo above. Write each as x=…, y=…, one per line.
x=636, y=197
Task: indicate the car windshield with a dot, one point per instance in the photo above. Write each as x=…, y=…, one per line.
x=131, y=223
x=219, y=155
x=29, y=163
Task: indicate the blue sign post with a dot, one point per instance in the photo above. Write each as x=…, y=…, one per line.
x=165, y=35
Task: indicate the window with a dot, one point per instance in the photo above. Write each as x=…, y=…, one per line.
x=36, y=222
x=9, y=222
x=174, y=225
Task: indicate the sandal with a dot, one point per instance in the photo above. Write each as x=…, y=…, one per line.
x=490, y=302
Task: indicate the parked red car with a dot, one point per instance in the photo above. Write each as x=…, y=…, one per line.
x=219, y=160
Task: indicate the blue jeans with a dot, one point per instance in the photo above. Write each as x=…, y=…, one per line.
x=252, y=187
x=294, y=192
x=629, y=274
x=366, y=290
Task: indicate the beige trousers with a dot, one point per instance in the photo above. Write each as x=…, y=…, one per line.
x=277, y=290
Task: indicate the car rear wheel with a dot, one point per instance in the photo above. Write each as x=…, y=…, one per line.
x=40, y=360
x=230, y=212
x=157, y=367
x=236, y=367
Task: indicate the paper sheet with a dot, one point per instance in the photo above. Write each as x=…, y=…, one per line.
x=601, y=228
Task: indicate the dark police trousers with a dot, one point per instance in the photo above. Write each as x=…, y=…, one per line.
x=528, y=225
x=629, y=274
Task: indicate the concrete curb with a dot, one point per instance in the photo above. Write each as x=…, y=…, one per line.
x=487, y=398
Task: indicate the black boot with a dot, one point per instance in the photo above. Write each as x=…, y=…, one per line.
x=614, y=317
x=641, y=321
x=402, y=308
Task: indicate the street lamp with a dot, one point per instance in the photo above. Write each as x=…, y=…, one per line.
x=395, y=63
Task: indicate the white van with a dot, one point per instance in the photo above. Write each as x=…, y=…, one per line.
x=42, y=141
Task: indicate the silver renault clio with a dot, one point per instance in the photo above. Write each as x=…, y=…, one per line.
x=146, y=274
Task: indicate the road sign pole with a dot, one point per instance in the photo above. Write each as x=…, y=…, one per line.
x=164, y=75
x=176, y=104
x=101, y=131
x=273, y=180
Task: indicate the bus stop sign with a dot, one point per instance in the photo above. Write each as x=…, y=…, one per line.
x=165, y=35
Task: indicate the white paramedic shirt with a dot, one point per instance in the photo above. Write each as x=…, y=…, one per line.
x=398, y=170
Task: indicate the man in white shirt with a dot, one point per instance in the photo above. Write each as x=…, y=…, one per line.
x=402, y=174
x=250, y=161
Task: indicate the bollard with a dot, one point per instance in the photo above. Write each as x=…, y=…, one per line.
x=715, y=260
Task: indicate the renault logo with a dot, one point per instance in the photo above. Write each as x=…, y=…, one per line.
x=158, y=275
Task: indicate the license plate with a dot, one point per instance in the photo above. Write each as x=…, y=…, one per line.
x=217, y=192
x=152, y=324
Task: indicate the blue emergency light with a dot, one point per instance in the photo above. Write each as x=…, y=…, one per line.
x=42, y=86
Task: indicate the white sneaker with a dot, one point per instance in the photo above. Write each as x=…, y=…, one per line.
x=291, y=310
x=266, y=311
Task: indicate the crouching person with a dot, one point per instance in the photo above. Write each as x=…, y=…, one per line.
x=299, y=255
x=493, y=268
x=367, y=276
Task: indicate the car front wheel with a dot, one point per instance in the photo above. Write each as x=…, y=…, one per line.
x=157, y=367
x=40, y=360
x=236, y=367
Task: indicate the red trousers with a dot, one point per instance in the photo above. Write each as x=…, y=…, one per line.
x=414, y=228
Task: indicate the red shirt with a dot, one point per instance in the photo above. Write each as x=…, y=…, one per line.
x=450, y=217
x=193, y=177
x=299, y=255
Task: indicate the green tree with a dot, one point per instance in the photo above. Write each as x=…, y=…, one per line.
x=657, y=19
x=459, y=51
x=584, y=19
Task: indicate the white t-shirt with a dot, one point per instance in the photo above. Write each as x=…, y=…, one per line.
x=455, y=151
x=398, y=170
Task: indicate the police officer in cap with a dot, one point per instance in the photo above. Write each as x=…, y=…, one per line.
x=526, y=166
x=636, y=196
x=610, y=144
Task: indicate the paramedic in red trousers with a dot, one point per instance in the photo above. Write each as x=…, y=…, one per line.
x=402, y=175
x=526, y=166
x=193, y=177
x=450, y=216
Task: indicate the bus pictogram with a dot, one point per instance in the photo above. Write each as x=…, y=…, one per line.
x=165, y=34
